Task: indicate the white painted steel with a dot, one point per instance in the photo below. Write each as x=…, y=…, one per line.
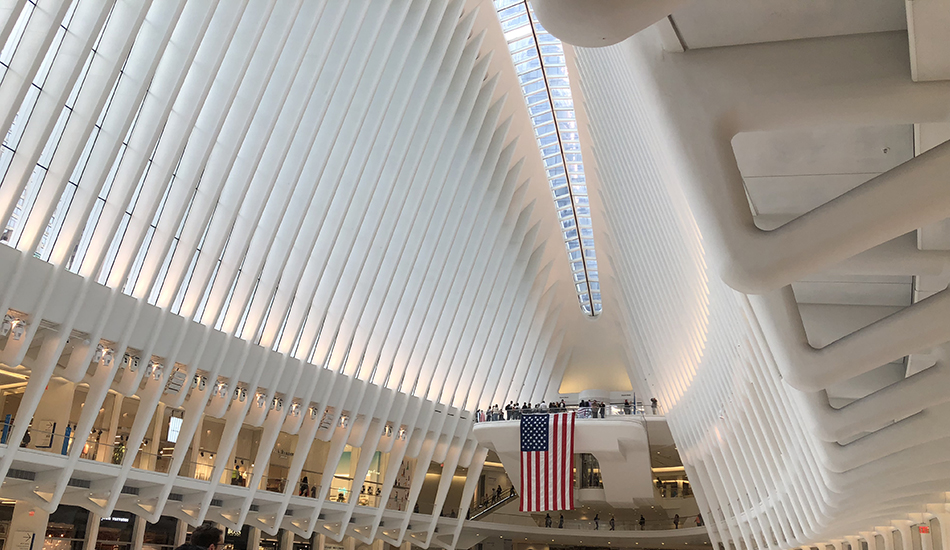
x=779, y=462
x=322, y=204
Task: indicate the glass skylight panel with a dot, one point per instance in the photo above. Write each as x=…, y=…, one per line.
x=542, y=74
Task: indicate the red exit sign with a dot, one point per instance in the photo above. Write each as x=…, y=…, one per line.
x=924, y=529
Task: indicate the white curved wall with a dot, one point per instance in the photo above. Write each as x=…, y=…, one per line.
x=744, y=391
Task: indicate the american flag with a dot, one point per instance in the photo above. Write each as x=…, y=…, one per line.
x=547, y=462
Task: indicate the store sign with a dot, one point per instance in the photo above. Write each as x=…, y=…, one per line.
x=44, y=438
x=333, y=547
x=117, y=519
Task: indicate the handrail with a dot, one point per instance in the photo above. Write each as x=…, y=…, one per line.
x=582, y=412
x=495, y=506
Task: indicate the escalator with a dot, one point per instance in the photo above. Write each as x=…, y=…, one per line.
x=498, y=505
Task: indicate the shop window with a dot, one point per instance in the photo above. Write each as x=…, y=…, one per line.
x=237, y=540
x=66, y=529
x=6, y=515
x=115, y=531
x=161, y=534
x=590, y=472
x=271, y=542
x=301, y=543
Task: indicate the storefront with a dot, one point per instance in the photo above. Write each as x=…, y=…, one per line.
x=161, y=534
x=271, y=542
x=237, y=540
x=66, y=529
x=116, y=531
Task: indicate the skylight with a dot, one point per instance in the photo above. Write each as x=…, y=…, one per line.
x=542, y=73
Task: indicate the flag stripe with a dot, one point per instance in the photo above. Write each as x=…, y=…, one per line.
x=552, y=473
x=556, y=468
x=559, y=467
x=570, y=438
x=538, y=475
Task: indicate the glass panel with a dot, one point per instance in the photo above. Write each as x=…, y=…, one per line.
x=542, y=71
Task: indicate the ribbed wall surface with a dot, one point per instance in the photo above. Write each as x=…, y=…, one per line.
x=301, y=206
x=774, y=464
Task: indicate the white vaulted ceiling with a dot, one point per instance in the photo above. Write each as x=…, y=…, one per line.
x=337, y=205
x=343, y=183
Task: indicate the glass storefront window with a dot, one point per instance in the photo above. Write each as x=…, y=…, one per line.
x=270, y=542
x=237, y=540
x=590, y=472
x=115, y=531
x=66, y=529
x=161, y=534
x=6, y=515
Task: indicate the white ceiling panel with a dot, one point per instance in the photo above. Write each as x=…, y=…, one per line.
x=733, y=22
x=791, y=172
x=859, y=294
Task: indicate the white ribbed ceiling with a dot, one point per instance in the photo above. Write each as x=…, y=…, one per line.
x=334, y=181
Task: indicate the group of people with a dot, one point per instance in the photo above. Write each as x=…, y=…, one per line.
x=597, y=408
x=306, y=490
x=514, y=411
x=548, y=522
x=495, y=496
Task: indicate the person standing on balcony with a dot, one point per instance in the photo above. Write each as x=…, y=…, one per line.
x=560, y=522
x=596, y=522
x=612, y=524
x=676, y=521
x=653, y=403
x=642, y=522
x=603, y=409
x=547, y=520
